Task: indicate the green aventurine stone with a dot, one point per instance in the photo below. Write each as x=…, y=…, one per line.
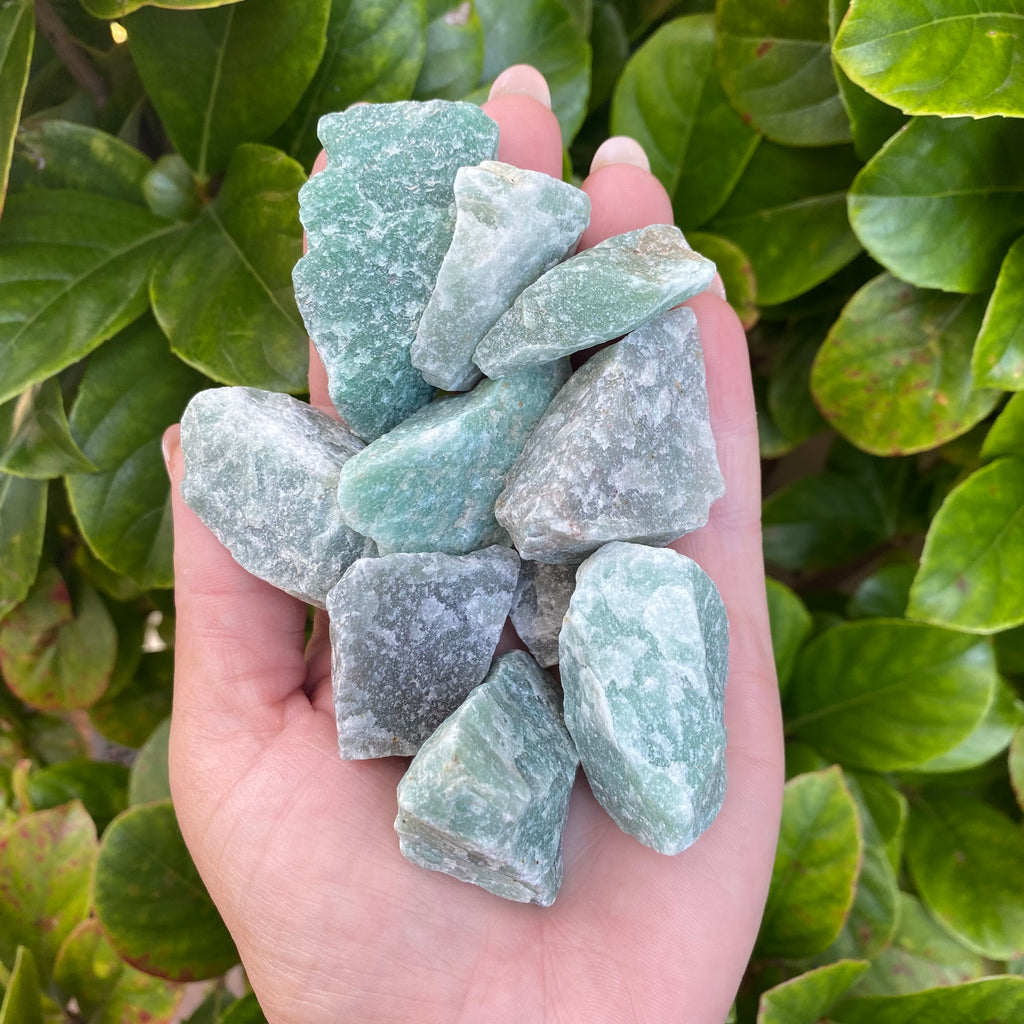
x=261, y=471
x=539, y=605
x=511, y=226
x=644, y=657
x=431, y=483
x=486, y=798
x=411, y=635
x=379, y=220
x=624, y=452
x=598, y=294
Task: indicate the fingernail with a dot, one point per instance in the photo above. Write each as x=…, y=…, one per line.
x=620, y=149
x=522, y=80
x=718, y=287
x=167, y=445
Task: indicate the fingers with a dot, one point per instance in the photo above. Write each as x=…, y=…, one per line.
x=529, y=134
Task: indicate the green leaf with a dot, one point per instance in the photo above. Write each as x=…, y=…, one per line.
x=17, y=34
x=244, y=1011
x=152, y=903
x=454, y=57
x=46, y=864
x=1010, y=651
x=790, y=624
x=101, y=787
x=970, y=577
x=807, y=998
x=789, y=386
x=65, y=155
x=73, y=271
x=106, y=989
x=947, y=57
x=171, y=190
x=883, y=594
x=1016, y=766
x=639, y=15
x=776, y=67
x=543, y=33
x=34, y=437
x=942, y=201
x=610, y=47
x=54, y=656
x=966, y=859
x=133, y=389
x=229, y=75
x=119, y=8
x=669, y=99
x=129, y=716
x=150, y=778
x=815, y=869
x=23, y=1000
x=224, y=294
x=890, y=694
x=1006, y=435
x=22, y=525
x=998, y=359
x=374, y=52
x=988, y=999
x=735, y=270
x=885, y=806
x=788, y=214
x=893, y=374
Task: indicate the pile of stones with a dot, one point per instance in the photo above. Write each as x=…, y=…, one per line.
x=522, y=488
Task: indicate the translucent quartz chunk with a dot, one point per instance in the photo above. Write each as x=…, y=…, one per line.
x=539, y=605
x=644, y=657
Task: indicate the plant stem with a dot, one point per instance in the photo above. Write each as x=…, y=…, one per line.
x=58, y=36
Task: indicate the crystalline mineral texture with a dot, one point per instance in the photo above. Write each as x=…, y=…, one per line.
x=644, y=658
x=599, y=294
x=486, y=798
x=511, y=226
x=261, y=471
x=411, y=635
x=624, y=452
x=431, y=483
x=379, y=220
x=539, y=605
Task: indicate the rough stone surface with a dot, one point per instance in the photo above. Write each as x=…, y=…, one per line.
x=431, y=483
x=644, y=658
x=598, y=294
x=624, y=452
x=486, y=798
x=411, y=635
x=539, y=605
x=511, y=226
x=261, y=471
x=379, y=220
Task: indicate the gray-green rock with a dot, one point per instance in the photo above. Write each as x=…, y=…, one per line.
x=411, y=635
x=486, y=798
x=511, y=225
x=431, y=483
x=624, y=452
x=644, y=658
x=598, y=294
x=261, y=471
x=379, y=220
x=539, y=605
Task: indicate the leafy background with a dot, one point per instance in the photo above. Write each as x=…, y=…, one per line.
x=857, y=170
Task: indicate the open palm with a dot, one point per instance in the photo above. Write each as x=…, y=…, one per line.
x=298, y=849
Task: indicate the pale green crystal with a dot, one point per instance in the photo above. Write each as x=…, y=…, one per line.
x=644, y=658
x=379, y=220
x=598, y=294
x=261, y=471
x=511, y=225
x=486, y=798
x=431, y=483
x=539, y=605
x=411, y=635
x=624, y=451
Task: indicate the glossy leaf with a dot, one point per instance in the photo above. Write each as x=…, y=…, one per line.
x=150, y=778
x=73, y=271
x=100, y=786
x=776, y=67
x=966, y=859
x=46, y=864
x=807, y=998
x=890, y=694
x=243, y=1011
x=893, y=374
x=998, y=359
x=119, y=8
x=942, y=201
x=669, y=99
x=946, y=57
x=1016, y=766
x=886, y=807
x=152, y=903
x=883, y=594
x=988, y=999
x=17, y=34
x=131, y=392
x=23, y=1000
x=816, y=865
x=609, y=44
x=735, y=270
x=788, y=214
x=22, y=525
x=790, y=625
x=970, y=577
x=198, y=68
x=454, y=57
x=1006, y=435
x=789, y=387
x=129, y=716
x=55, y=656
x=34, y=437
x=224, y=294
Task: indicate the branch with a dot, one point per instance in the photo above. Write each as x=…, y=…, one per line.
x=56, y=32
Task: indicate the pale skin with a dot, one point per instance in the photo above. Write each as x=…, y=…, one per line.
x=298, y=848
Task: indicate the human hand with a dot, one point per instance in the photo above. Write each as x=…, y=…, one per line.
x=297, y=846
